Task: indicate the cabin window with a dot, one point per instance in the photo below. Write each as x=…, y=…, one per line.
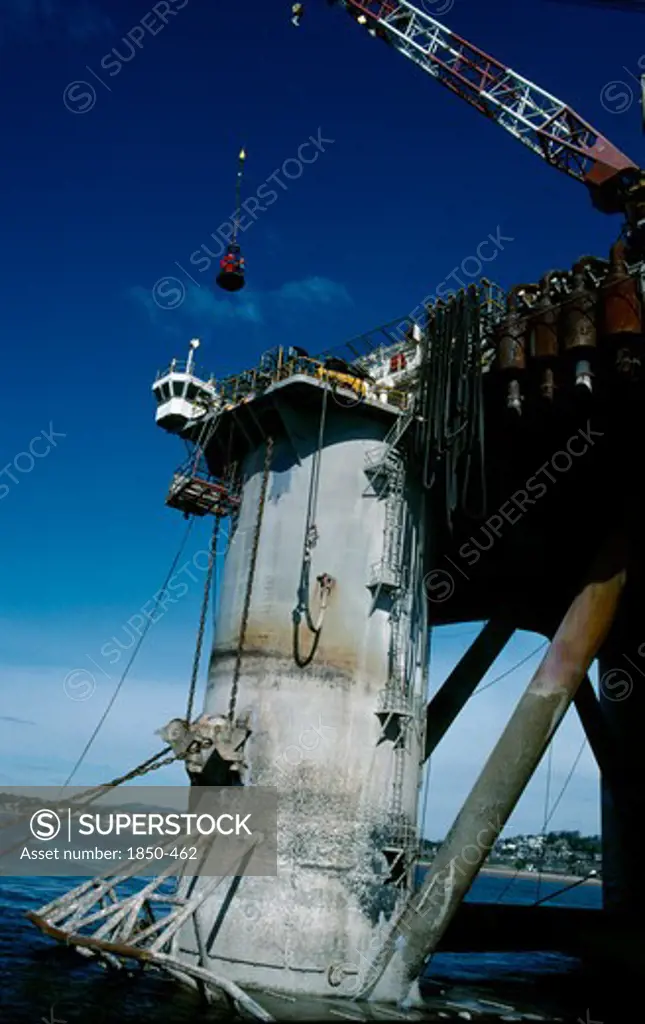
x=191, y=392
x=178, y=388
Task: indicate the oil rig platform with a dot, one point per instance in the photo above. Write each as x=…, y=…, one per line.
x=482, y=463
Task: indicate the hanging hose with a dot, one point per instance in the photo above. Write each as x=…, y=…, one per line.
x=326, y=584
x=311, y=537
x=473, y=441
x=249, y=583
x=202, y=621
x=451, y=392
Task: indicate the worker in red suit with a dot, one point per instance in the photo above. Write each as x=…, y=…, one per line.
x=227, y=263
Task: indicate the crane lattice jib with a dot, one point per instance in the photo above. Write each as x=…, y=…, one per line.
x=539, y=120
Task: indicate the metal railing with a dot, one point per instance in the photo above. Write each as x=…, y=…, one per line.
x=183, y=366
x=258, y=380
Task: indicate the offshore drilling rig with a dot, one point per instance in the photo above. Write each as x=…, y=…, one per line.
x=469, y=465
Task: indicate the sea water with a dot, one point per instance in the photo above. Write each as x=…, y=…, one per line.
x=39, y=977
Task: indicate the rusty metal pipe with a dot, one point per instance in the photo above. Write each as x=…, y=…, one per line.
x=423, y=921
x=622, y=317
x=594, y=263
x=579, y=324
x=543, y=336
x=510, y=337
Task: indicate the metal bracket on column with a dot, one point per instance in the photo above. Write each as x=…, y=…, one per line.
x=196, y=742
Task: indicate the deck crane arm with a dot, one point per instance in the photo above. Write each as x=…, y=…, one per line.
x=540, y=121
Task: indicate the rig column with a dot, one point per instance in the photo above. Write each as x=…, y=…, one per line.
x=337, y=722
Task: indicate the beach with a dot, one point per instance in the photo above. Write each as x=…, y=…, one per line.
x=547, y=876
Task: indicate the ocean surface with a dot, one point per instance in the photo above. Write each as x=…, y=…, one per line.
x=39, y=977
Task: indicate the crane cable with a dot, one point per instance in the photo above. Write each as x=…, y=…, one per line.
x=250, y=578
x=311, y=536
x=547, y=800
x=127, y=668
x=238, y=193
x=508, y=672
x=212, y=554
x=546, y=822
x=589, y=875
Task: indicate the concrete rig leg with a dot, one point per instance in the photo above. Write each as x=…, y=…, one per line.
x=425, y=918
x=463, y=681
x=622, y=700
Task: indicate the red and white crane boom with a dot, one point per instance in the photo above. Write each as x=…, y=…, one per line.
x=540, y=121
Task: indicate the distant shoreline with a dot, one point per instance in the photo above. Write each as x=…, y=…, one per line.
x=546, y=876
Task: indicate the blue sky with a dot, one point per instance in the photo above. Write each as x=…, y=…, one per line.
x=104, y=193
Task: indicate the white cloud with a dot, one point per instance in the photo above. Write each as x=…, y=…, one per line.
x=202, y=302
x=201, y=307
x=318, y=290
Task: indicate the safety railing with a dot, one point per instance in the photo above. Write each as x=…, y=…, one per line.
x=253, y=382
x=401, y=835
x=392, y=701
x=384, y=575
x=256, y=381
x=184, y=366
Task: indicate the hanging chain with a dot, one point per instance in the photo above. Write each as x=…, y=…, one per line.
x=202, y=620
x=97, y=791
x=249, y=584
x=142, y=769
